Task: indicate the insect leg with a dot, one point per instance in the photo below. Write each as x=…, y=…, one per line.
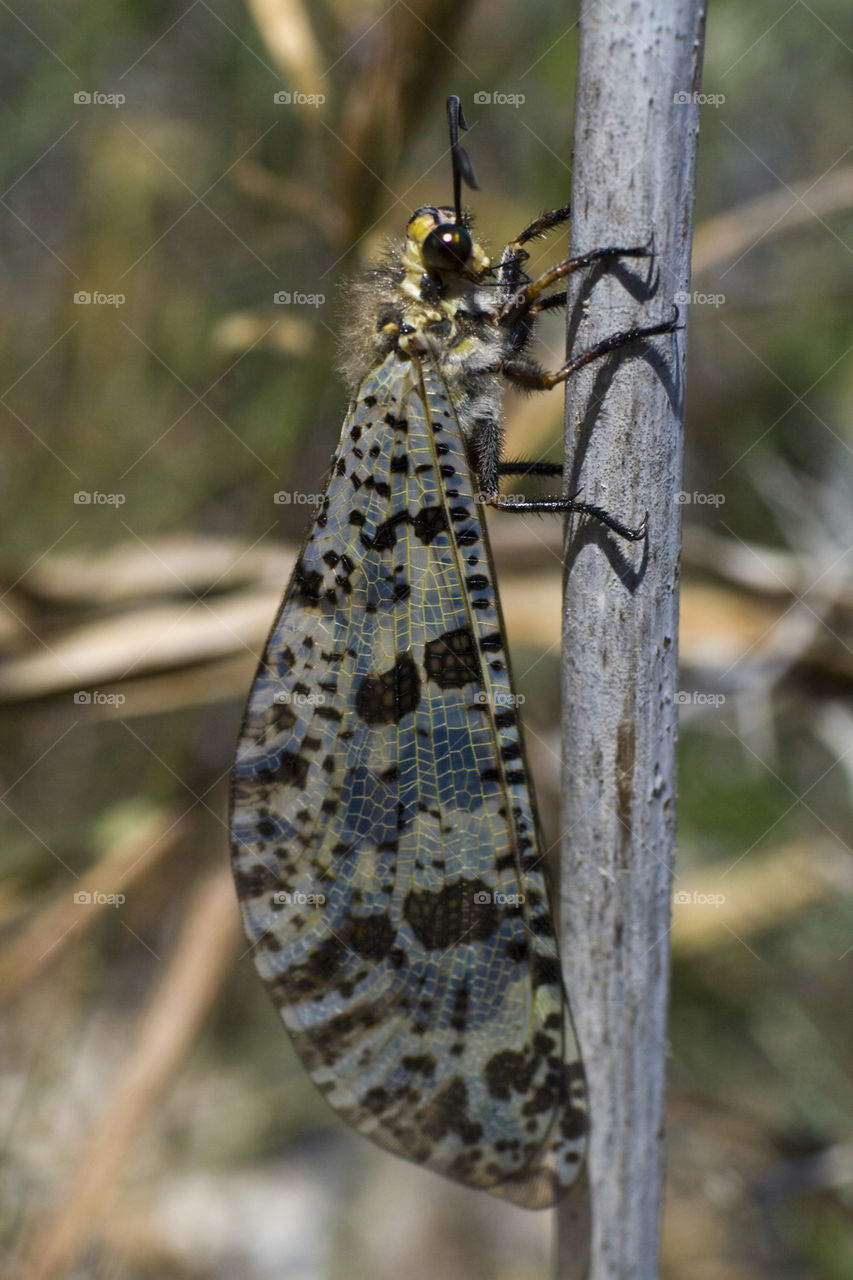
x=528, y=374
x=486, y=445
x=521, y=301
x=562, y=506
x=514, y=254
x=485, y=451
x=548, y=304
x=530, y=468
x=559, y=505
x=539, y=226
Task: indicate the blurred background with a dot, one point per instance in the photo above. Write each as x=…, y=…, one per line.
x=175, y=239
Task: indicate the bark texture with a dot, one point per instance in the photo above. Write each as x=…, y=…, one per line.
x=634, y=152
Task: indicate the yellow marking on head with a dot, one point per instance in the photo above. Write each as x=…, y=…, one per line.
x=417, y=232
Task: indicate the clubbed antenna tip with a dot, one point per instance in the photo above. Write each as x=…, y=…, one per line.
x=459, y=156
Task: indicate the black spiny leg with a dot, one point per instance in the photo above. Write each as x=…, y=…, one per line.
x=564, y=506
x=548, y=304
x=527, y=374
x=517, y=315
x=530, y=469
x=523, y=299
x=514, y=253
x=560, y=506
x=539, y=226
x=530, y=375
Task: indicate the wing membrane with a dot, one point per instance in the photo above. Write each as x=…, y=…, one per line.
x=385, y=850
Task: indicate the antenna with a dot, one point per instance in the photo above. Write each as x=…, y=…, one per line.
x=459, y=156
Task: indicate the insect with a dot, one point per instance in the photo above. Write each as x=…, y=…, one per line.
x=385, y=843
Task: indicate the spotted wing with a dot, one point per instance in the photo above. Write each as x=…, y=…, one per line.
x=385, y=847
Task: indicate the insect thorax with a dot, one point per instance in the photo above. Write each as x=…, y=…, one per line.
x=449, y=316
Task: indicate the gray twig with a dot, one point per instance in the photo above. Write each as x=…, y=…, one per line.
x=634, y=152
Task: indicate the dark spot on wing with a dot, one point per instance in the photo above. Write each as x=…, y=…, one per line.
x=429, y=523
x=447, y=1112
x=457, y=913
x=371, y=937
x=292, y=769
x=451, y=660
x=307, y=584
x=387, y=697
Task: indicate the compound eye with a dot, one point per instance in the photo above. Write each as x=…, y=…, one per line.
x=447, y=247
